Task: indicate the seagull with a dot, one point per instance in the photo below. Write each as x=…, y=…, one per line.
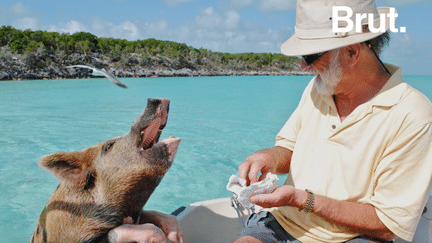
x=100, y=72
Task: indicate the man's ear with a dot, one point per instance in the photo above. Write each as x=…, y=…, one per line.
x=352, y=54
x=71, y=167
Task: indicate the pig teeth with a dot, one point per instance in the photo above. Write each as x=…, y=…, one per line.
x=150, y=133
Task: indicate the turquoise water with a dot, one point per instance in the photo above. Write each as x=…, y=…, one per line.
x=221, y=121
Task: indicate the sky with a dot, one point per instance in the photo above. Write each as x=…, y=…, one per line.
x=232, y=26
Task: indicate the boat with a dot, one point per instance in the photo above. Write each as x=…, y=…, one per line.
x=218, y=221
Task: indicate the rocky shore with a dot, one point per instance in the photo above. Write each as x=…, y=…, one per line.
x=67, y=73
x=22, y=67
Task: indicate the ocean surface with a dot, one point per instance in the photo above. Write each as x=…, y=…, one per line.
x=221, y=121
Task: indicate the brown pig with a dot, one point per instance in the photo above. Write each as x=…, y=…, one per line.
x=102, y=185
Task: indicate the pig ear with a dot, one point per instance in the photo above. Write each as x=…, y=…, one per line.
x=70, y=167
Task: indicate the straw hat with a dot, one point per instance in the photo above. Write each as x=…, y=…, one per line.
x=313, y=30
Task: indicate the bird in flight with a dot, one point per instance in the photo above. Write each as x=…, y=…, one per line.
x=96, y=71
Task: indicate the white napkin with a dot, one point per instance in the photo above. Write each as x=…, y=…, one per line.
x=238, y=186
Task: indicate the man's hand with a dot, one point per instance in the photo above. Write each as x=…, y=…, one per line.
x=157, y=228
x=282, y=196
x=141, y=233
x=275, y=160
x=168, y=223
x=250, y=168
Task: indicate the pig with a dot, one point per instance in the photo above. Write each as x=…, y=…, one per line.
x=105, y=184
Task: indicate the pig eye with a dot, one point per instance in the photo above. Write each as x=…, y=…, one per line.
x=108, y=146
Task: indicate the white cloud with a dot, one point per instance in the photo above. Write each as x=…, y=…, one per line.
x=100, y=26
x=400, y=3
x=208, y=11
x=211, y=20
x=157, y=28
x=241, y=3
x=19, y=16
x=232, y=19
x=124, y=30
x=70, y=27
x=20, y=9
x=228, y=32
x=175, y=2
x=26, y=23
x=185, y=33
x=271, y=6
x=130, y=29
x=208, y=19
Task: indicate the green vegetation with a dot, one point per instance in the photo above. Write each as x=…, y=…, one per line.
x=34, y=50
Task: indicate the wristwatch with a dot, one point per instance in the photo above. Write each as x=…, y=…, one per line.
x=309, y=203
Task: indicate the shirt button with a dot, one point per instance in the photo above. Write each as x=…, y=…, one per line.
x=334, y=126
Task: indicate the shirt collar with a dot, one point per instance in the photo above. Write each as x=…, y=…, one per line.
x=392, y=91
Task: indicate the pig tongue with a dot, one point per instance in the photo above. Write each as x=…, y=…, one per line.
x=150, y=133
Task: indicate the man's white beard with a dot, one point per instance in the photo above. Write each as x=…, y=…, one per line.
x=326, y=81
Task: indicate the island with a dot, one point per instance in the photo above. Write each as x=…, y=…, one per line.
x=29, y=55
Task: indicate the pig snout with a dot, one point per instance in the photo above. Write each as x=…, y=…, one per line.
x=172, y=143
x=162, y=154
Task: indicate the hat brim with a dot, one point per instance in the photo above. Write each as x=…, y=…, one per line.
x=295, y=46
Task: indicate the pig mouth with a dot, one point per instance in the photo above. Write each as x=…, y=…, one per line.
x=151, y=134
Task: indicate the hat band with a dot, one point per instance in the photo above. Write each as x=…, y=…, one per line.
x=328, y=33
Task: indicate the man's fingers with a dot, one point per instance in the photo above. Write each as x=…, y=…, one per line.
x=263, y=175
x=175, y=237
x=253, y=174
x=268, y=200
x=171, y=227
x=250, y=172
x=262, y=200
x=175, y=234
x=244, y=171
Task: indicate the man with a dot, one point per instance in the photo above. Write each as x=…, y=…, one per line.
x=357, y=148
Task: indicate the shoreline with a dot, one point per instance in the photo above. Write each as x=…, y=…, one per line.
x=53, y=73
